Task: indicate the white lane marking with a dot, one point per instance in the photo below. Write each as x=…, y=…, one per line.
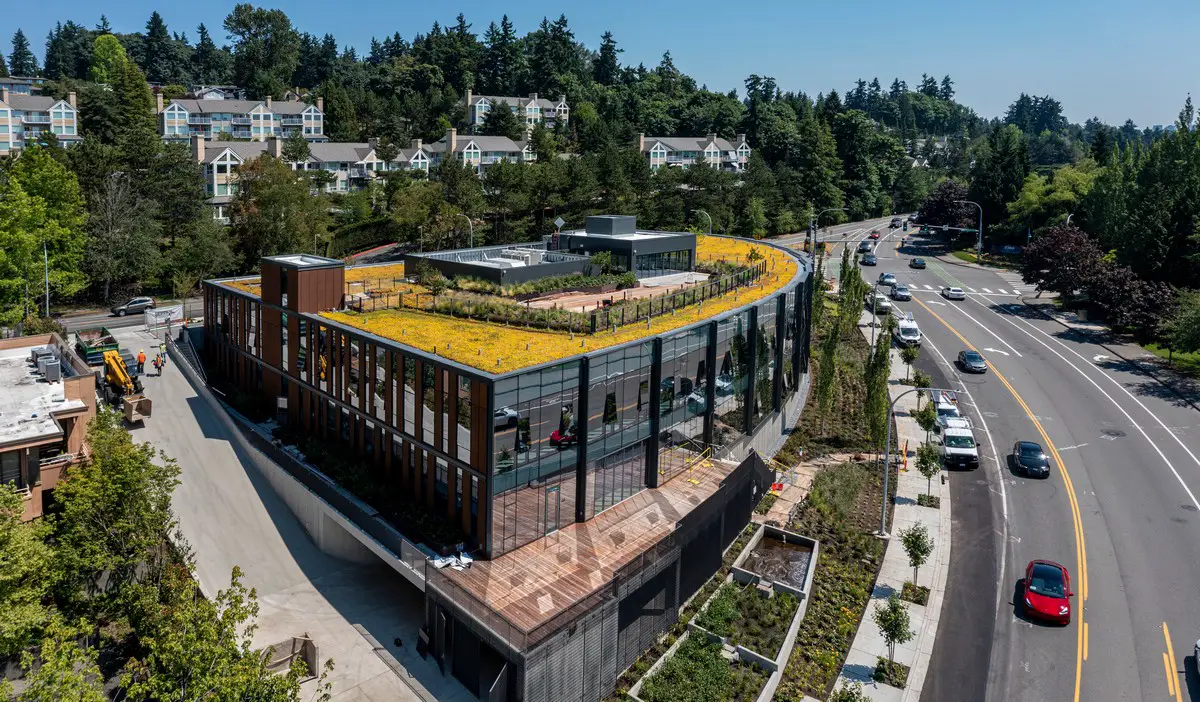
x=1068, y=448
x=929, y=287
x=1000, y=291
x=1116, y=404
x=1101, y=358
x=992, y=350
x=971, y=289
x=1016, y=292
x=934, y=302
x=989, y=292
x=989, y=331
x=1001, y=576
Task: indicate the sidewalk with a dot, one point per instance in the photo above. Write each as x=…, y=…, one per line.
x=868, y=644
x=1188, y=389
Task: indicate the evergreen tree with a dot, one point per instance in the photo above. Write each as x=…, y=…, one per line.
x=103, y=27
x=266, y=49
x=501, y=70
x=946, y=91
x=210, y=64
x=606, y=70
x=502, y=121
x=157, y=52
x=295, y=148
x=21, y=61
x=136, y=103
x=3, y=67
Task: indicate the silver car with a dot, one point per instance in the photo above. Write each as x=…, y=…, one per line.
x=887, y=279
x=900, y=292
x=954, y=293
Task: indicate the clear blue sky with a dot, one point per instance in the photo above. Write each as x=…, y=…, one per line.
x=1103, y=58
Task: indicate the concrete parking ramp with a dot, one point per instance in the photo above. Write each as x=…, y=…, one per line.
x=231, y=515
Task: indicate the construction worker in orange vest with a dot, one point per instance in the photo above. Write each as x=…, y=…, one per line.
x=141, y=360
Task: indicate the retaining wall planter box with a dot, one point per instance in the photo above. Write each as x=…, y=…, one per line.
x=788, y=561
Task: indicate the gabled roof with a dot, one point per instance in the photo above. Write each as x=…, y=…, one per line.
x=38, y=103
x=485, y=143
x=279, y=107
x=338, y=151
x=520, y=102
x=409, y=154
x=245, y=150
x=690, y=143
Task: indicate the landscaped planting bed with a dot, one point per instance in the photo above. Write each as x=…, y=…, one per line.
x=749, y=619
x=700, y=672
x=840, y=512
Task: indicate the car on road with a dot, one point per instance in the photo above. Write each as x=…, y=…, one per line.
x=724, y=384
x=864, y=246
x=134, y=305
x=878, y=303
x=901, y=293
x=505, y=417
x=972, y=362
x=1029, y=459
x=917, y=263
x=1048, y=591
x=896, y=223
x=874, y=234
x=868, y=260
x=562, y=439
x=887, y=279
x=953, y=293
x=907, y=333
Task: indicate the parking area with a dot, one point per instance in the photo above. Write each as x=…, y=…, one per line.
x=231, y=516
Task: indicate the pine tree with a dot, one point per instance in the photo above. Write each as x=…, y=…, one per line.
x=606, y=70
x=21, y=62
x=136, y=101
x=3, y=67
x=103, y=27
x=295, y=148
x=157, y=52
x=502, y=121
x=501, y=70
x=210, y=64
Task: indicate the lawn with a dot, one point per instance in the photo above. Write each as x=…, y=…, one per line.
x=699, y=673
x=1186, y=363
x=841, y=511
x=968, y=255
x=747, y=618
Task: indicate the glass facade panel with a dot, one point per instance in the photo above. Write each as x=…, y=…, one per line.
x=682, y=400
x=411, y=398
x=381, y=384
x=765, y=347
x=789, y=343
x=669, y=261
x=428, y=388
x=733, y=367
x=618, y=399
x=463, y=414
x=535, y=456
x=615, y=477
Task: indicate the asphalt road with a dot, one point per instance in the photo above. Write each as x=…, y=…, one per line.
x=193, y=307
x=1119, y=510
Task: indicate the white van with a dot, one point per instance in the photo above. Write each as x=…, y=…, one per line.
x=907, y=333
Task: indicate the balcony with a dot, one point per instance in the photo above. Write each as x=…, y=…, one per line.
x=358, y=172
x=59, y=461
x=293, y=121
x=36, y=119
x=199, y=120
x=241, y=133
x=244, y=121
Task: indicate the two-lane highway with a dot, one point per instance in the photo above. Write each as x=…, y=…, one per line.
x=1119, y=509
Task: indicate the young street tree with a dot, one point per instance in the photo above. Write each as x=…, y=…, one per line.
x=908, y=356
x=894, y=624
x=918, y=544
x=62, y=669
x=929, y=461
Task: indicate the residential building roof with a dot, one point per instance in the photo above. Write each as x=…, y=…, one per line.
x=689, y=143
x=485, y=143
x=513, y=100
x=28, y=404
x=246, y=150
x=279, y=107
x=339, y=151
x=39, y=103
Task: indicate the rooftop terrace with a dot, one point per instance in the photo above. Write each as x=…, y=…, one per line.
x=27, y=402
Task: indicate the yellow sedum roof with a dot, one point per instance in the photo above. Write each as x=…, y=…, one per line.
x=496, y=348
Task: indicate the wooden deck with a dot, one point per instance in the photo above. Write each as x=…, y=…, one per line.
x=531, y=584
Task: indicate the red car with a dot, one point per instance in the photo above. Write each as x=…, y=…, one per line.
x=1048, y=591
x=563, y=439
x=875, y=235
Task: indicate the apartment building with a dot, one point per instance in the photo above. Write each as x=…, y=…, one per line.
x=480, y=151
x=21, y=85
x=24, y=118
x=533, y=109
x=253, y=120
x=351, y=165
x=47, y=398
x=684, y=152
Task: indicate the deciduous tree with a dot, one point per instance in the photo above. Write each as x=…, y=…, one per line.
x=123, y=236
x=918, y=545
x=894, y=624
x=108, y=59
x=26, y=574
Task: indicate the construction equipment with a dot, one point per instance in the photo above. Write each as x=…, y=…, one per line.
x=118, y=381
x=92, y=344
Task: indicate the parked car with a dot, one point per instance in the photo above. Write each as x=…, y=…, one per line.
x=868, y=260
x=1048, y=591
x=887, y=279
x=697, y=402
x=901, y=293
x=953, y=293
x=724, y=384
x=972, y=362
x=1029, y=459
x=505, y=418
x=917, y=263
x=134, y=305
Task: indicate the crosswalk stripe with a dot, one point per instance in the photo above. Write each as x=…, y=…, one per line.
x=989, y=292
x=1016, y=292
x=929, y=287
x=971, y=289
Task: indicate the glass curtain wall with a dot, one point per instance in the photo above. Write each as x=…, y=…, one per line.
x=682, y=400
x=733, y=368
x=618, y=425
x=765, y=347
x=789, y=343
x=535, y=456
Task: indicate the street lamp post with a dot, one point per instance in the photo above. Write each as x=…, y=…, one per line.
x=887, y=453
x=1069, y=216
x=706, y=217
x=979, y=245
x=812, y=233
x=471, y=241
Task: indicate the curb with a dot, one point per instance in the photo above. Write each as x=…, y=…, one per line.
x=1147, y=368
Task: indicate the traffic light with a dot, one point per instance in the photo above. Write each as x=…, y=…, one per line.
x=906, y=226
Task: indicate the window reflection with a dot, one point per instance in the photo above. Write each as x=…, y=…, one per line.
x=766, y=345
x=686, y=375
x=733, y=365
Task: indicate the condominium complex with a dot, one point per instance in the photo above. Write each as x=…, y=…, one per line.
x=351, y=165
x=480, y=151
x=21, y=85
x=594, y=471
x=24, y=118
x=530, y=110
x=683, y=152
x=254, y=120
x=47, y=398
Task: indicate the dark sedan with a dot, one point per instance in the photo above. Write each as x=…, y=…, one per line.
x=972, y=362
x=868, y=260
x=1029, y=459
x=917, y=263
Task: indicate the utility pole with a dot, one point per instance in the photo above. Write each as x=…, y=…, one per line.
x=979, y=244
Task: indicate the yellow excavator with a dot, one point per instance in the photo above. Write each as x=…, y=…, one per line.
x=123, y=388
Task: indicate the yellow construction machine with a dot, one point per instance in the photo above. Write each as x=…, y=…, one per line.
x=124, y=389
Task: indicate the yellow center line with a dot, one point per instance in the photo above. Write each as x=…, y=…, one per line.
x=1170, y=678
x=1085, y=640
x=1172, y=668
x=1080, y=550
